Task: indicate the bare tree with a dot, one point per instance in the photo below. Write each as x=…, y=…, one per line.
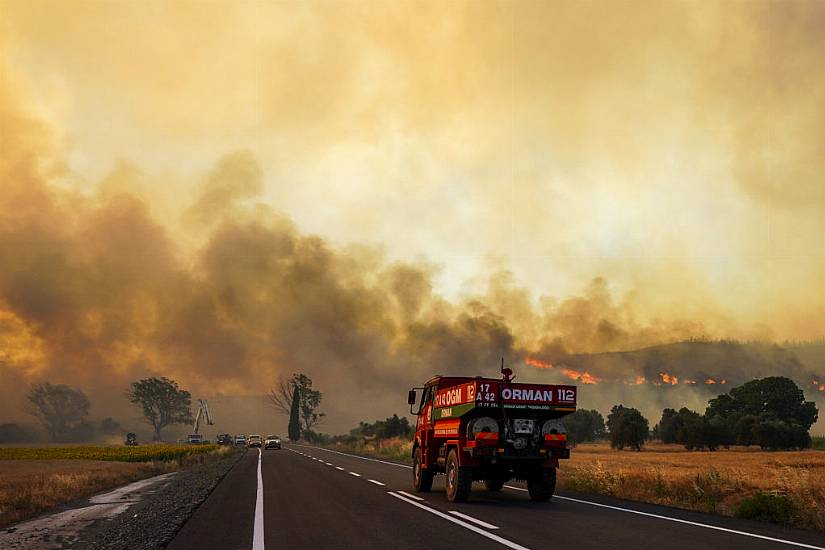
x=61, y=409
x=281, y=398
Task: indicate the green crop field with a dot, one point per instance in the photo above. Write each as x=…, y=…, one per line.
x=142, y=453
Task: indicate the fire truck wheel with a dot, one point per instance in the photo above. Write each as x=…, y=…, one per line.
x=542, y=485
x=422, y=478
x=494, y=483
x=459, y=480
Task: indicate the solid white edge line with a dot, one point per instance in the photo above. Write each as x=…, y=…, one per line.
x=354, y=474
x=474, y=520
x=466, y=525
x=258, y=529
x=408, y=495
x=376, y=482
x=668, y=518
x=684, y=521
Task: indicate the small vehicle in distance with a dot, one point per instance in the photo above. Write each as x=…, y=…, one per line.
x=240, y=440
x=131, y=440
x=225, y=439
x=254, y=441
x=272, y=442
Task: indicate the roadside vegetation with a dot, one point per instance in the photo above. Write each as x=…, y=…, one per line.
x=36, y=479
x=142, y=453
x=785, y=487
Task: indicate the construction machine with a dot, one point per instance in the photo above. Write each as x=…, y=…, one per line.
x=195, y=438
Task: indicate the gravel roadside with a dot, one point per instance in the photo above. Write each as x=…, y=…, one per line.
x=153, y=522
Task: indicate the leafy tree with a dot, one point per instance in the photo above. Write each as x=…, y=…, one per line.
x=773, y=397
x=163, y=403
x=743, y=429
x=281, y=398
x=777, y=434
x=59, y=408
x=628, y=428
x=584, y=425
x=109, y=426
x=771, y=412
x=294, y=420
x=666, y=429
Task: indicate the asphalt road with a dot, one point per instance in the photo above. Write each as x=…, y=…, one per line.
x=306, y=497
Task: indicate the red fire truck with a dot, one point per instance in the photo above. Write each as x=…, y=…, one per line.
x=490, y=430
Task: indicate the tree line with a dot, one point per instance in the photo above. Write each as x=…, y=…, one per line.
x=63, y=411
x=769, y=412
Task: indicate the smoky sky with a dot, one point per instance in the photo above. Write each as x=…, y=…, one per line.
x=371, y=193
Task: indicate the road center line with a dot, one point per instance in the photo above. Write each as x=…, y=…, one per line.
x=354, y=474
x=483, y=533
x=357, y=456
x=376, y=482
x=474, y=520
x=684, y=521
x=408, y=495
x=258, y=529
x=339, y=468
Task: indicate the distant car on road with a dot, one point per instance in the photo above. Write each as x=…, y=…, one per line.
x=254, y=441
x=240, y=440
x=272, y=442
x=225, y=439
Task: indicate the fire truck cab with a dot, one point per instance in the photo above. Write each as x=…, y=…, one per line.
x=490, y=430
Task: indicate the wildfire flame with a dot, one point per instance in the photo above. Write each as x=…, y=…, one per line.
x=538, y=363
x=723, y=381
x=640, y=380
x=690, y=381
x=710, y=381
x=583, y=377
x=669, y=378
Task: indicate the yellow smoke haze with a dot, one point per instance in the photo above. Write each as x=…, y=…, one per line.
x=371, y=192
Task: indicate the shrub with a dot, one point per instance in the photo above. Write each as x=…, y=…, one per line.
x=767, y=507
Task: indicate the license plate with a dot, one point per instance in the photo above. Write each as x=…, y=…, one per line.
x=523, y=426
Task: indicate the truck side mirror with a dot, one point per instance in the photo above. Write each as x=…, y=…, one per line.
x=411, y=397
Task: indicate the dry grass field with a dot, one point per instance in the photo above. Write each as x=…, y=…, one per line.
x=30, y=486
x=37, y=478
x=788, y=487
x=784, y=487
